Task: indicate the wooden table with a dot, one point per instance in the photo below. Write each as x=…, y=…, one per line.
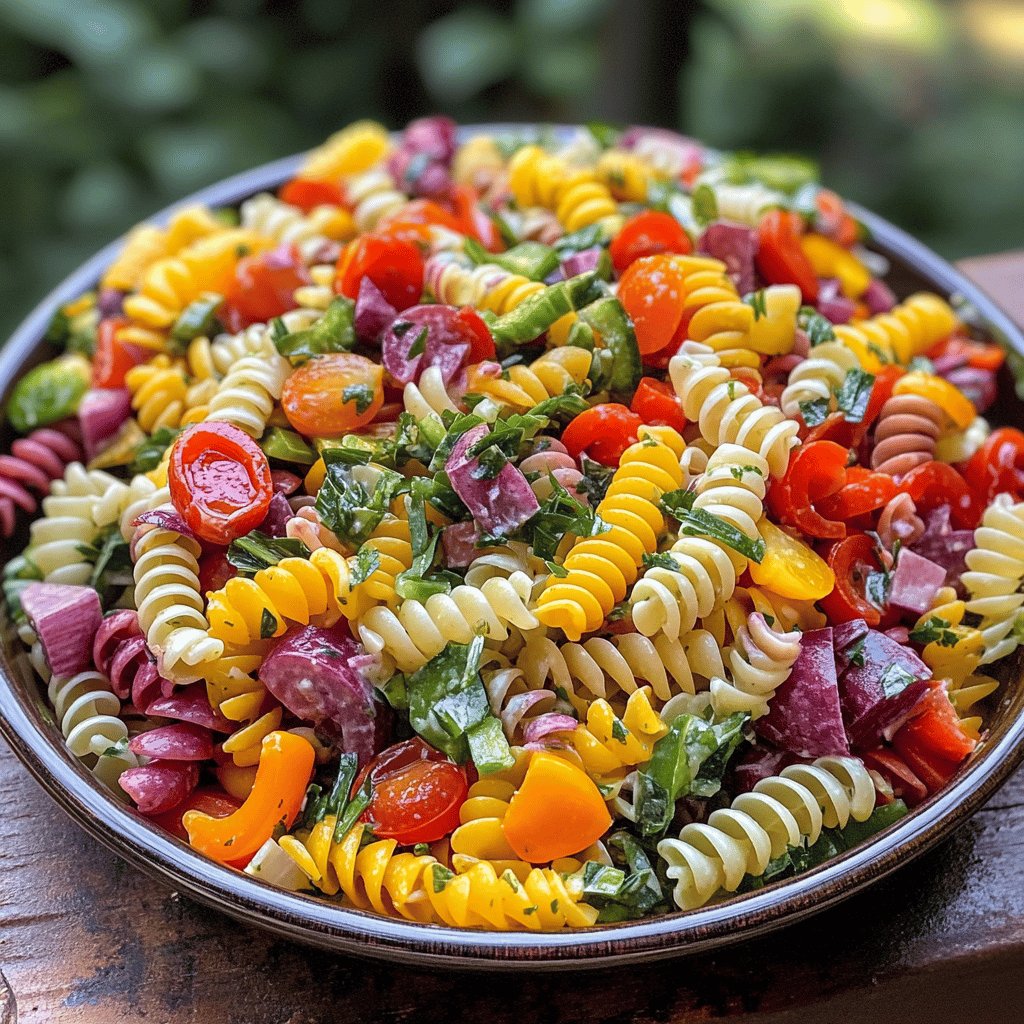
x=84, y=938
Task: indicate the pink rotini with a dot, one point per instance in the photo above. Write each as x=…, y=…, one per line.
x=26, y=474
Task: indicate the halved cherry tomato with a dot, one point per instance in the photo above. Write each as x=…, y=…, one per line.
x=474, y=221
x=264, y=285
x=307, y=195
x=657, y=404
x=936, y=730
x=779, y=256
x=997, y=467
x=851, y=560
x=214, y=802
x=113, y=359
x=815, y=471
x=477, y=334
x=905, y=784
x=412, y=222
x=936, y=483
x=653, y=293
x=977, y=354
x=393, y=265
x=648, y=234
x=603, y=432
x=863, y=492
x=417, y=793
x=333, y=394
x=219, y=481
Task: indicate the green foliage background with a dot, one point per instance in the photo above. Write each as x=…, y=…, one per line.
x=110, y=109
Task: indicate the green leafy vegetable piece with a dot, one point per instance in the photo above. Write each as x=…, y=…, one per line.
x=197, y=319
x=560, y=513
x=362, y=394
x=758, y=302
x=604, y=134
x=660, y=560
x=366, y=564
x=256, y=551
x=854, y=394
x=705, y=205
x=48, y=393
x=113, y=566
x=348, y=509
x=695, y=522
x=596, y=480
x=333, y=332
x=268, y=624
x=150, y=452
x=818, y=328
x=895, y=680
x=934, y=630
x=814, y=411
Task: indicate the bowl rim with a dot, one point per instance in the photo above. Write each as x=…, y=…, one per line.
x=328, y=925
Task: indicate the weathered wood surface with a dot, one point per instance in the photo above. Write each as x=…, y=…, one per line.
x=86, y=939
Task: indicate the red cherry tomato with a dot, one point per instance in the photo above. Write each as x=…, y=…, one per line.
x=648, y=234
x=393, y=265
x=333, y=394
x=477, y=334
x=603, y=432
x=779, y=256
x=412, y=223
x=264, y=285
x=214, y=802
x=219, y=481
x=113, y=359
x=977, y=354
x=215, y=570
x=863, y=492
x=656, y=403
x=851, y=560
x=935, y=483
x=417, y=793
x=307, y=195
x=653, y=293
x=997, y=467
x=473, y=221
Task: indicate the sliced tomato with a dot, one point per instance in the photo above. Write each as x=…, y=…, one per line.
x=905, y=784
x=997, y=467
x=815, y=471
x=113, y=359
x=394, y=265
x=863, y=492
x=307, y=195
x=657, y=403
x=936, y=730
x=264, y=286
x=603, y=432
x=851, y=560
x=979, y=355
x=473, y=221
x=417, y=793
x=219, y=481
x=653, y=293
x=648, y=234
x=779, y=256
x=936, y=483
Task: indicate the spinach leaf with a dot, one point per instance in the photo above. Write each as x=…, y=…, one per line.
x=256, y=551
x=854, y=394
x=695, y=522
x=346, y=506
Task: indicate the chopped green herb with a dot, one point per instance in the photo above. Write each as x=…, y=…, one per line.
x=268, y=624
x=705, y=204
x=695, y=522
x=814, y=411
x=661, y=560
x=934, y=630
x=555, y=569
x=895, y=679
x=367, y=563
x=758, y=302
x=333, y=332
x=419, y=345
x=818, y=328
x=854, y=394
x=256, y=551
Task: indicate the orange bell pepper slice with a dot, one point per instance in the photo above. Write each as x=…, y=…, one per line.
x=558, y=810
x=285, y=768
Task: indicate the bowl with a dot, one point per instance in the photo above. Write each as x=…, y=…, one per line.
x=29, y=727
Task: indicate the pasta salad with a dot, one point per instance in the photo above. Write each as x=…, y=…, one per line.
x=521, y=531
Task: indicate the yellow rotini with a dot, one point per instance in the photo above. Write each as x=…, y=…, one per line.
x=296, y=590
x=352, y=150
x=625, y=175
x=308, y=232
x=600, y=569
x=521, y=387
x=391, y=541
x=159, y=391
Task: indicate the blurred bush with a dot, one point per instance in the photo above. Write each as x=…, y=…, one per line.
x=110, y=109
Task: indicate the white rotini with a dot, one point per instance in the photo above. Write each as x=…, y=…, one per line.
x=819, y=376
x=170, y=603
x=726, y=411
x=420, y=630
x=246, y=396
x=227, y=350
x=308, y=232
x=61, y=540
x=429, y=397
x=955, y=445
x=995, y=571
x=745, y=204
x=373, y=196
x=783, y=811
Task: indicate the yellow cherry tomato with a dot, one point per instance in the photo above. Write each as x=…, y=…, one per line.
x=790, y=568
x=333, y=394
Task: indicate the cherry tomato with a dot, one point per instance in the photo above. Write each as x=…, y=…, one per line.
x=417, y=793
x=481, y=342
x=815, y=471
x=264, y=285
x=935, y=483
x=213, y=802
x=863, y=492
x=997, y=467
x=412, y=222
x=653, y=293
x=656, y=403
x=219, y=481
x=474, y=221
x=307, y=195
x=333, y=394
x=779, y=256
x=905, y=784
x=603, y=432
x=851, y=560
x=215, y=570
x=393, y=265
x=648, y=234
x=935, y=730
x=113, y=359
